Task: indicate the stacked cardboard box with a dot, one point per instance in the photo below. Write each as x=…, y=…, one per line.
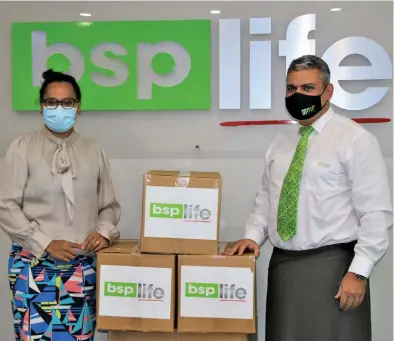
x=174, y=283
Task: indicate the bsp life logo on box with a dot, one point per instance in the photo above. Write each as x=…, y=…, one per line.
x=178, y=212
x=139, y=292
x=186, y=212
x=136, y=65
x=217, y=292
x=221, y=291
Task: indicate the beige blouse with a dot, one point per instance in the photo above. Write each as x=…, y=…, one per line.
x=57, y=189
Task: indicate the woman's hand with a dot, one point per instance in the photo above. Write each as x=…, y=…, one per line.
x=95, y=242
x=63, y=250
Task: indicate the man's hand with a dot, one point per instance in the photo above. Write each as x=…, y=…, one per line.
x=351, y=292
x=240, y=247
x=95, y=242
x=63, y=250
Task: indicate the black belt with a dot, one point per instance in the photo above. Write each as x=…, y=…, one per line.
x=342, y=246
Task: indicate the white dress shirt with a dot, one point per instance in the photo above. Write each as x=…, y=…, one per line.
x=344, y=192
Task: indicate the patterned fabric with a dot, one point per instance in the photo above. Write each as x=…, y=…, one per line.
x=52, y=300
x=288, y=202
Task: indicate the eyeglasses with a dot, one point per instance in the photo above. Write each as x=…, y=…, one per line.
x=67, y=103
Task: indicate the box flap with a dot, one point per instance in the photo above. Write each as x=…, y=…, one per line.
x=210, y=175
x=123, y=246
x=163, y=173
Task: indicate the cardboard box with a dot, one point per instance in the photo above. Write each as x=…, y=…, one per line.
x=181, y=212
x=135, y=291
x=217, y=294
x=135, y=336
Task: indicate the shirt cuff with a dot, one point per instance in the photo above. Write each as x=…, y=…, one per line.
x=39, y=242
x=108, y=231
x=255, y=235
x=361, y=266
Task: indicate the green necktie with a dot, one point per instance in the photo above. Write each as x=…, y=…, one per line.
x=288, y=201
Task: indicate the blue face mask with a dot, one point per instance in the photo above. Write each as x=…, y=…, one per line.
x=60, y=120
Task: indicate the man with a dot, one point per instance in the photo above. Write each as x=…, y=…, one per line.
x=324, y=202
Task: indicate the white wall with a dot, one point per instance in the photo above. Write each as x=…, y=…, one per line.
x=138, y=141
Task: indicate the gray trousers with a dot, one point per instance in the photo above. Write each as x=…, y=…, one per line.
x=300, y=298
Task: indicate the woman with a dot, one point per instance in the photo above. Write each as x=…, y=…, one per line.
x=59, y=208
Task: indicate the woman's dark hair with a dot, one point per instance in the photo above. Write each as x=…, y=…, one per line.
x=51, y=76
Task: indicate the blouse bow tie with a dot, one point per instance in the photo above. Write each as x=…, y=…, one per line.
x=62, y=164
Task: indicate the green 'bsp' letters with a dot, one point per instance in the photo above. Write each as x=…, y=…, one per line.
x=149, y=65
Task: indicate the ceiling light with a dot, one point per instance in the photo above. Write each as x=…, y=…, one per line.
x=215, y=11
x=336, y=9
x=85, y=14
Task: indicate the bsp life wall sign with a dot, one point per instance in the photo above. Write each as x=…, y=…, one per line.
x=166, y=65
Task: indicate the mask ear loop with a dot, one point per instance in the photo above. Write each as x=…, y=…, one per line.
x=321, y=95
x=78, y=107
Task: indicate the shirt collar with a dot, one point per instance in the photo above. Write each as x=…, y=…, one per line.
x=58, y=141
x=321, y=123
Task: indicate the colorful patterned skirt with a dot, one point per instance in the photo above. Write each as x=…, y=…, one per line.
x=52, y=300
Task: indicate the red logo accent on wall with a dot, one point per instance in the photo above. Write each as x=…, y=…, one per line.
x=275, y=122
